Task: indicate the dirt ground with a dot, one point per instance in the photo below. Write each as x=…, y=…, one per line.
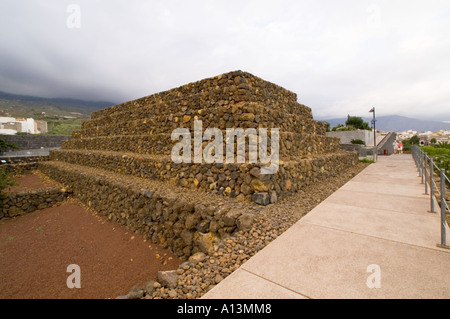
x=29, y=182
x=36, y=249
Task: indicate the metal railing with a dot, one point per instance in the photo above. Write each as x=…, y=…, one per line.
x=427, y=169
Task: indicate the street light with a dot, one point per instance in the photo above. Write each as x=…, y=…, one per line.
x=372, y=110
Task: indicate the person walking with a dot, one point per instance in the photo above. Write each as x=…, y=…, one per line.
x=400, y=147
x=395, y=147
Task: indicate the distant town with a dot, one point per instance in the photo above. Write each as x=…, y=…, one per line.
x=12, y=126
x=426, y=137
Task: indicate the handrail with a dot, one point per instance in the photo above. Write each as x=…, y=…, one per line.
x=427, y=167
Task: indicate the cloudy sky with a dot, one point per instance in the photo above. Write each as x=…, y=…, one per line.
x=340, y=57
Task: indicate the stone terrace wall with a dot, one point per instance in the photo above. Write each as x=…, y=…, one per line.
x=243, y=114
x=182, y=221
x=233, y=87
x=120, y=163
x=25, y=166
x=227, y=179
x=24, y=202
x=292, y=146
x=142, y=129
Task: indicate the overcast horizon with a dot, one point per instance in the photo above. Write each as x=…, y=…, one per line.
x=339, y=58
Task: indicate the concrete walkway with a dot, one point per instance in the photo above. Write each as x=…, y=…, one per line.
x=372, y=238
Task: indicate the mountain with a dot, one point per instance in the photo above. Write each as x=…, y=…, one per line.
x=397, y=123
x=21, y=105
x=63, y=116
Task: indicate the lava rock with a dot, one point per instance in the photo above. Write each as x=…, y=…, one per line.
x=261, y=198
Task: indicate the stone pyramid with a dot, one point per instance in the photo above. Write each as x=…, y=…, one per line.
x=121, y=162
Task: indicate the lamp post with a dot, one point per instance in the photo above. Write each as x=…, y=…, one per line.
x=372, y=110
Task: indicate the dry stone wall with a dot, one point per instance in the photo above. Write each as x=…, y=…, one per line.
x=225, y=89
x=24, y=202
x=241, y=114
x=227, y=179
x=126, y=146
x=23, y=167
x=177, y=219
x=233, y=100
x=292, y=145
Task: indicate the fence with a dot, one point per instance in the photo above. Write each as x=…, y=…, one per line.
x=427, y=169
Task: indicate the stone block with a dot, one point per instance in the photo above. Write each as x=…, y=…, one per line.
x=261, y=198
x=168, y=278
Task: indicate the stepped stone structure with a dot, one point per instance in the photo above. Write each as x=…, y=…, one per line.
x=120, y=162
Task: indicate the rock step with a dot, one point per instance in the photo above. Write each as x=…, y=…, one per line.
x=231, y=87
x=291, y=145
x=193, y=106
x=180, y=219
x=232, y=180
x=222, y=118
x=233, y=115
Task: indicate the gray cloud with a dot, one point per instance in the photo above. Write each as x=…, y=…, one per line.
x=339, y=57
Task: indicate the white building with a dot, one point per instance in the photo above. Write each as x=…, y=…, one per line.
x=4, y=119
x=364, y=135
x=405, y=135
x=10, y=125
x=6, y=131
x=28, y=126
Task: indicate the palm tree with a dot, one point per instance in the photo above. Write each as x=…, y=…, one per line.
x=442, y=144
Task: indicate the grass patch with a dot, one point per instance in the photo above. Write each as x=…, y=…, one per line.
x=64, y=127
x=366, y=160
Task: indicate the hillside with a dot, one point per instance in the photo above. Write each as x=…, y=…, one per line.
x=396, y=123
x=63, y=116
x=19, y=103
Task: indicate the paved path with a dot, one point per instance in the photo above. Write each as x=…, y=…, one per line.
x=374, y=231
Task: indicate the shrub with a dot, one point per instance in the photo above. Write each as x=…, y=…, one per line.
x=444, y=145
x=440, y=156
x=341, y=127
x=4, y=145
x=414, y=140
x=433, y=150
x=357, y=141
x=5, y=181
x=357, y=122
x=407, y=144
